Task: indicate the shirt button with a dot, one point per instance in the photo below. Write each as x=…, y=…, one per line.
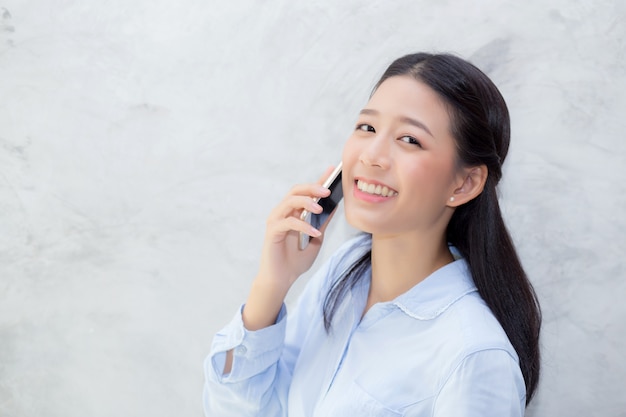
x=241, y=350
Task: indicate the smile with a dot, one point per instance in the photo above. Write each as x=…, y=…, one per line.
x=375, y=189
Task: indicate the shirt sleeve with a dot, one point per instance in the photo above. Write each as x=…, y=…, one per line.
x=487, y=383
x=263, y=360
x=258, y=381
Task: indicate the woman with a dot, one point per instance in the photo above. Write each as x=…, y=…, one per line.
x=429, y=312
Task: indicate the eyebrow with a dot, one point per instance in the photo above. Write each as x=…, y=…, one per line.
x=405, y=119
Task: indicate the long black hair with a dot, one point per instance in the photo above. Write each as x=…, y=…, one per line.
x=480, y=125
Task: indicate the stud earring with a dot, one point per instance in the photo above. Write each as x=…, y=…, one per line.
x=452, y=199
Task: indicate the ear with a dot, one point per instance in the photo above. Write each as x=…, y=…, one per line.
x=470, y=184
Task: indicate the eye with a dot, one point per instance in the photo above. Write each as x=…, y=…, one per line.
x=365, y=127
x=411, y=140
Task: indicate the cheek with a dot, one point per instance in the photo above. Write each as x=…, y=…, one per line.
x=350, y=153
x=433, y=175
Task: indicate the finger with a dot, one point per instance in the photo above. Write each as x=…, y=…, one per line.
x=293, y=206
x=312, y=190
x=294, y=224
x=317, y=241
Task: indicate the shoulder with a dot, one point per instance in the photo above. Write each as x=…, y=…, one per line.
x=485, y=383
x=478, y=327
x=458, y=315
x=482, y=358
x=471, y=324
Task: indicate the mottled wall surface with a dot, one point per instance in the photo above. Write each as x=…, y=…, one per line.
x=143, y=143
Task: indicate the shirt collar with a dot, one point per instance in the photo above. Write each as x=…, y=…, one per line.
x=437, y=292
x=426, y=300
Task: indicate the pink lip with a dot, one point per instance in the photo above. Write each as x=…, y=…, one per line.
x=370, y=198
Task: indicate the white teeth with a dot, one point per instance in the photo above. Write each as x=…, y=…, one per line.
x=375, y=189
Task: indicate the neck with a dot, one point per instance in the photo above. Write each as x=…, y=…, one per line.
x=401, y=262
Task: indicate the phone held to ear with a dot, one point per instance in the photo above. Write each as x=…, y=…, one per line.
x=333, y=183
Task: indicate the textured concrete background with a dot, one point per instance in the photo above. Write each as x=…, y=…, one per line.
x=142, y=144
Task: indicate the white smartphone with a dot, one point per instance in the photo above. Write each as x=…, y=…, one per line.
x=333, y=183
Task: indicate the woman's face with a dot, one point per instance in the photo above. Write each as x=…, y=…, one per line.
x=399, y=168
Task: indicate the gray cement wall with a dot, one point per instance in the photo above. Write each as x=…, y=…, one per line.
x=143, y=143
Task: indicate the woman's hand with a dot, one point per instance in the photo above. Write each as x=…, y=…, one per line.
x=282, y=262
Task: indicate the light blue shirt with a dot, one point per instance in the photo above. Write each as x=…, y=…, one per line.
x=436, y=350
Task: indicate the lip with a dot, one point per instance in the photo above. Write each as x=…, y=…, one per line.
x=367, y=197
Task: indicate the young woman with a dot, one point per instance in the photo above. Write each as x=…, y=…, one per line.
x=429, y=312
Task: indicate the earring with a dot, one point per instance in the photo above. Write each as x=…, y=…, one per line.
x=451, y=199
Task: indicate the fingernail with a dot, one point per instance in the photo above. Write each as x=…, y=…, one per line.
x=316, y=208
x=315, y=232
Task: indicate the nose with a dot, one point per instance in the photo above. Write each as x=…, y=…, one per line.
x=376, y=152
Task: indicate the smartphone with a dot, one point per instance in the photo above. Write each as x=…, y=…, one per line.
x=333, y=183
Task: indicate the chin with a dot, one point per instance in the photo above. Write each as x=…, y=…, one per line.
x=362, y=223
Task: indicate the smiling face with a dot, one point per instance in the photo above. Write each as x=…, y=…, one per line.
x=399, y=165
